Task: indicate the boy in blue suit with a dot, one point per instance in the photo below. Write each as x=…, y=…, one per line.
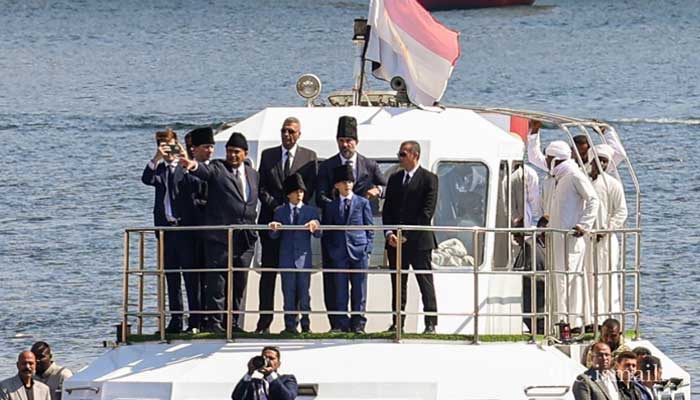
x=349, y=249
x=295, y=251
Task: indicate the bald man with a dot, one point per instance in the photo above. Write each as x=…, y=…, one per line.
x=599, y=381
x=23, y=386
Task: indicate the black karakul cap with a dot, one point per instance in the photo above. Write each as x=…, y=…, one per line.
x=293, y=183
x=203, y=135
x=343, y=173
x=347, y=127
x=237, y=139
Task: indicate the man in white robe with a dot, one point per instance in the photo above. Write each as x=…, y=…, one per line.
x=612, y=214
x=573, y=205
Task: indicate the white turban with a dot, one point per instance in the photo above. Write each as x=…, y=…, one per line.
x=603, y=150
x=559, y=150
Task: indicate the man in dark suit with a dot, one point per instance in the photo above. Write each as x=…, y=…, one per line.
x=411, y=196
x=369, y=183
x=173, y=207
x=598, y=382
x=276, y=164
x=264, y=382
x=349, y=249
x=233, y=197
x=201, y=147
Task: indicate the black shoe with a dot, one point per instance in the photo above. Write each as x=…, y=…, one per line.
x=429, y=330
x=265, y=331
x=237, y=329
x=336, y=330
x=174, y=327
x=289, y=331
x=358, y=330
x=216, y=328
x=392, y=329
x=306, y=329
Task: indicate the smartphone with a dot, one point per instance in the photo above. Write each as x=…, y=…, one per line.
x=174, y=149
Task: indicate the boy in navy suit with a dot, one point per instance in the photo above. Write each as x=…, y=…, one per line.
x=349, y=249
x=295, y=251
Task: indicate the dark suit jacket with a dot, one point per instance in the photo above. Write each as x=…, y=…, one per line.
x=295, y=246
x=353, y=244
x=589, y=386
x=225, y=205
x=412, y=205
x=283, y=388
x=181, y=206
x=368, y=175
x=271, y=171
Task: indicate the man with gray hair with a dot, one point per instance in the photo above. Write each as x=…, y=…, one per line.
x=277, y=164
x=23, y=386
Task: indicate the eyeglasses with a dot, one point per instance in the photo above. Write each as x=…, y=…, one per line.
x=288, y=131
x=401, y=154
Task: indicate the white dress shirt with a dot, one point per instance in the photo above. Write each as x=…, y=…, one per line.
x=244, y=181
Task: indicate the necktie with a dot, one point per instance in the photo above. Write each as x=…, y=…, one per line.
x=239, y=181
x=295, y=215
x=406, y=179
x=171, y=183
x=346, y=209
x=350, y=163
x=287, y=163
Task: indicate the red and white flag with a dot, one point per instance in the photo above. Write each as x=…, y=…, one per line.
x=405, y=40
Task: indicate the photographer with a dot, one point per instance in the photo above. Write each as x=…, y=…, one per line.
x=262, y=382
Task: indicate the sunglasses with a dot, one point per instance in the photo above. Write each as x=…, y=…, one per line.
x=288, y=131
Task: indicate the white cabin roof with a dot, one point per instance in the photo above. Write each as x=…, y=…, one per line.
x=452, y=133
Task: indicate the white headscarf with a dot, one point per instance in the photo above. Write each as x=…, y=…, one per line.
x=603, y=150
x=559, y=150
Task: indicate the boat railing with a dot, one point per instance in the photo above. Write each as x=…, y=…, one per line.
x=597, y=243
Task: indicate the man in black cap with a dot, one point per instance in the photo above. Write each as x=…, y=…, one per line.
x=233, y=197
x=276, y=164
x=201, y=146
x=369, y=183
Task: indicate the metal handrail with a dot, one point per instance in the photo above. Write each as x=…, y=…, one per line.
x=548, y=275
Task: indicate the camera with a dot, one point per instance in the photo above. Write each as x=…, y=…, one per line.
x=174, y=149
x=260, y=362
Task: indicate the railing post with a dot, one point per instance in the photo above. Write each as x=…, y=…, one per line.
x=550, y=291
x=533, y=283
x=475, y=340
x=161, y=284
x=229, y=286
x=125, y=291
x=596, y=277
x=637, y=282
x=398, y=286
x=611, y=276
x=139, y=324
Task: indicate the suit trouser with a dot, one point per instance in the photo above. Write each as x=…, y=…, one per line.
x=527, y=301
x=357, y=293
x=178, y=252
x=295, y=287
x=216, y=295
x=268, y=279
x=420, y=261
x=196, y=282
x=329, y=291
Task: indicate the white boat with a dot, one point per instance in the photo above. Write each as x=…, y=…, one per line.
x=482, y=349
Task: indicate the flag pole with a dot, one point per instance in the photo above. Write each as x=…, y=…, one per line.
x=359, y=39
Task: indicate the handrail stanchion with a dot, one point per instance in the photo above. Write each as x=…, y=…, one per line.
x=596, y=277
x=567, y=279
x=125, y=290
x=637, y=282
x=139, y=319
x=161, y=284
x=551, y=293
x=477, y=262
x=229, y=286
x=533, y=283
x=621, y=276
x=611, y=276
x=398, y=286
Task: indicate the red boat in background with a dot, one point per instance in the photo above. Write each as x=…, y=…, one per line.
x=434, y=5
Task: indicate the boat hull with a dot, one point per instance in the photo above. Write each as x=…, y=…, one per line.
x=434, y=5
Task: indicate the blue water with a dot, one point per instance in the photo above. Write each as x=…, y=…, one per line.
x=83, y=85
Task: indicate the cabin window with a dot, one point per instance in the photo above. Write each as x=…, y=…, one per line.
x=461, y=202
